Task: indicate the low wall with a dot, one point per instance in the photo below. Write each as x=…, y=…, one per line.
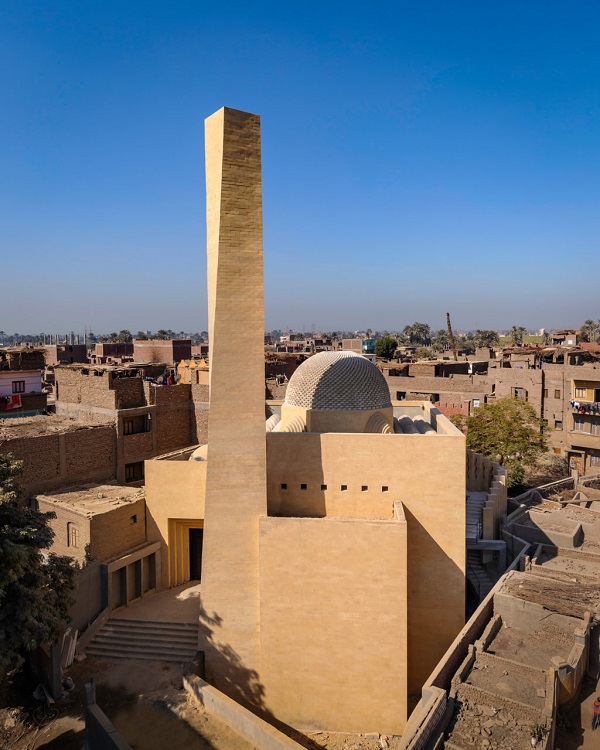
x=432, y=712
x=100, y=732
x=244, y=722
x=423, y=720
x=88, y=597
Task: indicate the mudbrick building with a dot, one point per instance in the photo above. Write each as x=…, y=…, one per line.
x=149, y=418
x=21, y=391
x=565, y=393
x=108, y=421
x=161, y=350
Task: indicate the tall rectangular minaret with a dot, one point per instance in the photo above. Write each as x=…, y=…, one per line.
x=236, y=493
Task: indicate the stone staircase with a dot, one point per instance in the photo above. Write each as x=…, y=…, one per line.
x=140, y=639
x=475, y=503
x=481, y=580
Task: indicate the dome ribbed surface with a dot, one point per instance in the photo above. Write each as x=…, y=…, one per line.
x=341, y=381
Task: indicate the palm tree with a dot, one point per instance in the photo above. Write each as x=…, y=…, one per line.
x=516, y=334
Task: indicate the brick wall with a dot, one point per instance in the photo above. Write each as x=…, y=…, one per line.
x=90, y=451
x=50, y=461
x=173, y=429
x=60, y=525
x=158, y=350
x=129, y=392
x=75, y=388
x=140, y=444
x=200, y=392
x=41, y=459
x=199, y=415
x=199, y=433
x=22, y=359
x=113, y=533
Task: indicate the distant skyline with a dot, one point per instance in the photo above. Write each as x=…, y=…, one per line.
x=417, y=158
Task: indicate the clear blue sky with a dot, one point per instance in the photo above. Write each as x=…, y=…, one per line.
x=418, y=157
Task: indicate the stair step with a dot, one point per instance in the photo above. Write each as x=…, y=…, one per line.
x=179, y=648
x=147, y=655
x=150, y=632
x=148, y=624
x=145, y=642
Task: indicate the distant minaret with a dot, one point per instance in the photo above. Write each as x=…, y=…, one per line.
x=236, y=493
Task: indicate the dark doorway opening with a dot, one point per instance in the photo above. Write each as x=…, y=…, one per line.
x=196, y=554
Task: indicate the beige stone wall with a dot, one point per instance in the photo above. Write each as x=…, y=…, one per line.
x=236, y=474
x=114, y=532
x=174, y=490
x=333, y=592
x=333, y=421
x=427, y=475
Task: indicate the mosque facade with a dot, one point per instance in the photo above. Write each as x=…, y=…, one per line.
x=333, y=561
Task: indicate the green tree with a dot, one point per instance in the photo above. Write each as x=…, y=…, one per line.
x=516, y=334
x=417, y=333
x=386, y=347
x=163, y=334
x=125, y=336
x=507, y=431
x=142, y=336
x=440, y=341
x=486, y=338
x=590, y=331
x=35, y=593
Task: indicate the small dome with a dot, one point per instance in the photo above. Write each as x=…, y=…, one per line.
x=338, y=381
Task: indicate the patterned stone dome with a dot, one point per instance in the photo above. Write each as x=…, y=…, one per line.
x=339, y=381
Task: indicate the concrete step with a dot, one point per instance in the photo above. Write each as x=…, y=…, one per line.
x=133, y=647
x=152, y=624
x=143, y=632
x=115, y=653
x=142, y=639
x=105, y=636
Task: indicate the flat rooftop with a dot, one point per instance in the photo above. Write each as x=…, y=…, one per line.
x=47, y=424
x=92, y=499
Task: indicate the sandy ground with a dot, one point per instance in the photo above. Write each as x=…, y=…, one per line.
x=146, y=702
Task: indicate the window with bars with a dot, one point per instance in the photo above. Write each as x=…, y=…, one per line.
x=72, y=535
x=579, y=424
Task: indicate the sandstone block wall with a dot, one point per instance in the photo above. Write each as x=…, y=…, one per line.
x=325, y=612
x=236, y=470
